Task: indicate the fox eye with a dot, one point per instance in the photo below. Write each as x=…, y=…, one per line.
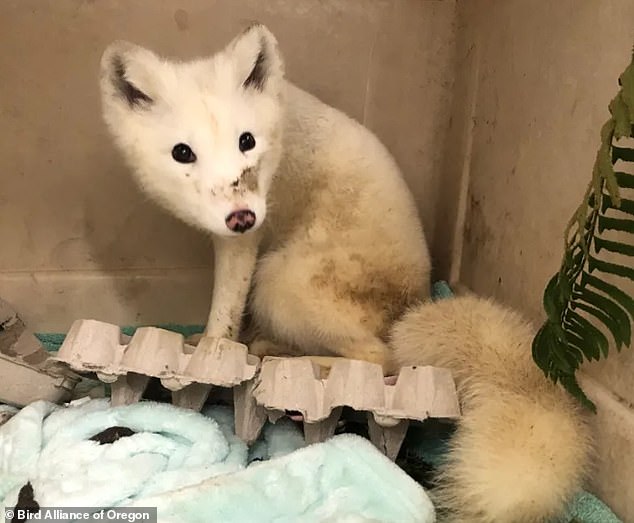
x=246, y=142
x=183, y=153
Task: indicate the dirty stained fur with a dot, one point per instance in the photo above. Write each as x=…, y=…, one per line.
x=521, y=450
x=337, y=251
x=347, y=255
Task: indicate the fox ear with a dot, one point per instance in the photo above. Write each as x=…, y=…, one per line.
x=128, y=74
x=257, y=59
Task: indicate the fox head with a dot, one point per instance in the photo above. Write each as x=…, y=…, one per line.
x=203, y=138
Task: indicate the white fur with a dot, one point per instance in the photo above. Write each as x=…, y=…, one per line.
x=521, y=450
x=341, y=251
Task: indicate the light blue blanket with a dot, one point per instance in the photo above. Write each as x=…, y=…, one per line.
x=194, y=469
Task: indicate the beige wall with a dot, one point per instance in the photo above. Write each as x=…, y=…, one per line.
x=78, y=239
x=536, y=78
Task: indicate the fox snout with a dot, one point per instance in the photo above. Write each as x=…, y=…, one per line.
x=240, y=221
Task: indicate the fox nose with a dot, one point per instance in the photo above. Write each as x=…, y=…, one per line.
x=240, y=221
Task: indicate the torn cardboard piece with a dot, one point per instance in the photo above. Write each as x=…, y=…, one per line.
x=27, y=372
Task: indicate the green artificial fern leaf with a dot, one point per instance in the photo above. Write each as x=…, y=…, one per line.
x=608, y=312
x=610, y=268
x=623, y=299
x=579, y=304
x=622, y=248
x=622, y=153
x=615, y=224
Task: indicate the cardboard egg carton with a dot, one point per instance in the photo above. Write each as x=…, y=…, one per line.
x=128, y=363
x=27, y=372
x=267, y=389
x=297, y=384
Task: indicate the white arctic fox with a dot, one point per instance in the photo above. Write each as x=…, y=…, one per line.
x=309, y=212
x=521, y=450
x=302, y=202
